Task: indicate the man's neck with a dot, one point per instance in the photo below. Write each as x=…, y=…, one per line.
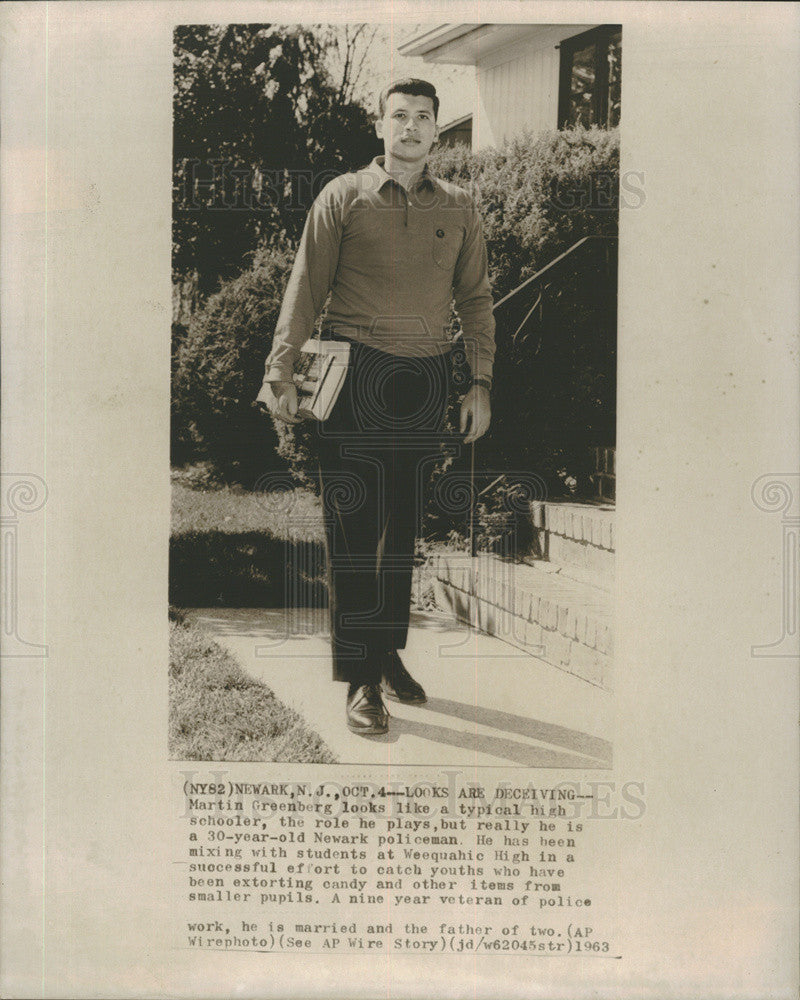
x=403, y=172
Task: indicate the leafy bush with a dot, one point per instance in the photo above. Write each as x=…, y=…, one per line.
x=538, y=195
x=218, y=369
x=554, y=392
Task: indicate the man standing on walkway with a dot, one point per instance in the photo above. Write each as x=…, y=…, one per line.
x=393, y=246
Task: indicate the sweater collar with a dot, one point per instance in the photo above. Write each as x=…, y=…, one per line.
x=377, y=169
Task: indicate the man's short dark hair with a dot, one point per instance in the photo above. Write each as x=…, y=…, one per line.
x=412, y=86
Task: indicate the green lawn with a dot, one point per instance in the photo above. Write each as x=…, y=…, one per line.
x=230, y=547
x=234, y=548
x=198, y=505
x=217, y=712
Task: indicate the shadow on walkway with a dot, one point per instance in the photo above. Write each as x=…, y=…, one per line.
x=581, y=750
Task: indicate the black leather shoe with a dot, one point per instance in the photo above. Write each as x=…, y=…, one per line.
x=366, y=712
x=398, y=684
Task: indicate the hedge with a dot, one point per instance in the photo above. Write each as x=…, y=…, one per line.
x=218, y=366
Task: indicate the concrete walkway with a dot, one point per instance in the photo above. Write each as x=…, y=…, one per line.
x=489, y=703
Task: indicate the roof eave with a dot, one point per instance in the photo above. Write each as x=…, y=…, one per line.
x=433, y=38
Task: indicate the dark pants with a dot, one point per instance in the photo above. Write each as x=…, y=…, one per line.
x=376, y=449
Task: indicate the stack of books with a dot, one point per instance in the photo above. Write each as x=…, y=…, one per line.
x=319, y=376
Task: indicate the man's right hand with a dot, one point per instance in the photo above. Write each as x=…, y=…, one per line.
x=281, y=399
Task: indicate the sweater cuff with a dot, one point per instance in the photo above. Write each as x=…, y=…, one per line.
x=278, y=373
x=482, y=368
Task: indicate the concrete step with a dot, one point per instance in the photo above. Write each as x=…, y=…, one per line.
x=564, y=621
x=576, y=538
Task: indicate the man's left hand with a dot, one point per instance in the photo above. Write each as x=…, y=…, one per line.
x=476, y=413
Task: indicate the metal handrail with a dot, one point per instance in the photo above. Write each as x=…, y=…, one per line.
x=537, y=280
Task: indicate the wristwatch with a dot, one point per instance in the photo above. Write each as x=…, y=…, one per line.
x=482, y=381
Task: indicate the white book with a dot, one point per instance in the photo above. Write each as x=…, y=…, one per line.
x=319, y=375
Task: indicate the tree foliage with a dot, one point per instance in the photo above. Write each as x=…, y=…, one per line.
x=259, y=127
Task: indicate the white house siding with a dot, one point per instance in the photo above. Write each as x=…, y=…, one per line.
x=518, y=84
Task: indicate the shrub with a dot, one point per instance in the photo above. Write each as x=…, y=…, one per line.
x=538, y=195
x=218, y=369
x=554, y=392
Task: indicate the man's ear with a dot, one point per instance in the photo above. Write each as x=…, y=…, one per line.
x=379, y=127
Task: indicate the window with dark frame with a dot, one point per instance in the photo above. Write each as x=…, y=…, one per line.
x=591, y=78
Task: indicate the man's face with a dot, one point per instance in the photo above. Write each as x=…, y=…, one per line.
x=408, y=128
